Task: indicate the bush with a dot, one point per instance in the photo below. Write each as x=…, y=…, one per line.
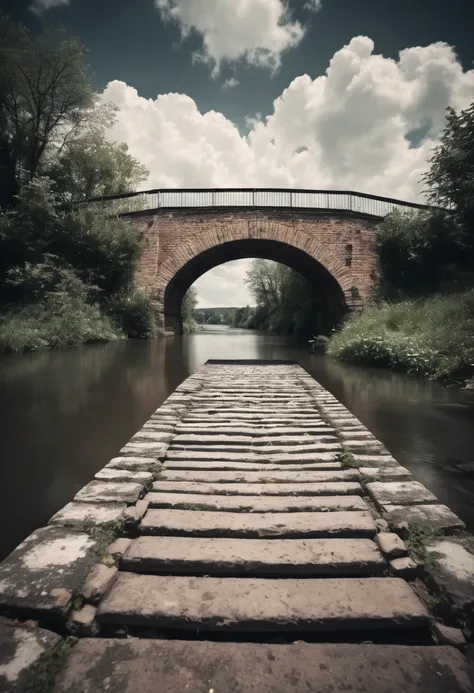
x=134, y=312
x=63, y=319
x=431, y=337
x=319, y=344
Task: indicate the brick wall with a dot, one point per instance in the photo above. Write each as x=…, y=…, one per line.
x=343, y=244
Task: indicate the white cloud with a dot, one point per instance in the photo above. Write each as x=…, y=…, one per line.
x=347, y=129
x=258, y=31
x=39, y=6
x=224, y=286
x=313, y=5
x=230, y=83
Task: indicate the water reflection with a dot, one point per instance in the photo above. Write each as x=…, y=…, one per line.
x=66, y=413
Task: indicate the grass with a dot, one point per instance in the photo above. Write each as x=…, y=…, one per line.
x=103, y=535
x=417, y=542
x=347, y=460
x=43, y=672
x=431, y=337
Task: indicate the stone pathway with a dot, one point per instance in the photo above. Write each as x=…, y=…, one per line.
x=252, y=508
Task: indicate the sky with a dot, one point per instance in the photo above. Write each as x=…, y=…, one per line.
x=347, y=94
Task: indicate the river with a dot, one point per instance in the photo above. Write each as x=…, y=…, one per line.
x=65, y=413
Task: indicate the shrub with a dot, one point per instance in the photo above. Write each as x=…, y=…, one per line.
x=319, y=344
x=63, y=319
x=134, y=312
x=431, y=337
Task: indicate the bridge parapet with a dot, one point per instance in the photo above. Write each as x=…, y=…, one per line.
x=276, y=198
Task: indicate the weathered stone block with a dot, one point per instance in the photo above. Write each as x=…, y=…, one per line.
x=20, y=647
x=41, y=574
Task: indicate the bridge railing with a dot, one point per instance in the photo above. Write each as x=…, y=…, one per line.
x=335, y=200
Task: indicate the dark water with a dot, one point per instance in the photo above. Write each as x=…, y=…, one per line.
x=64, y=414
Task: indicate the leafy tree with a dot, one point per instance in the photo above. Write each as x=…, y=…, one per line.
x=450, y=180
x=286, y=301
x=90, y=165
x=187, y=309
x=44, y=98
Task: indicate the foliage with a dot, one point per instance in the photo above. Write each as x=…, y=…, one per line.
x=43, y=671
x=319, y=343
x=134, y=312
x=63, y=318
x=187, y=310
x=418, y=254
x=44, y=97
x=38, y=238
x=89, y=165
x=450, y=179
x=286, y=301
x=431, y=337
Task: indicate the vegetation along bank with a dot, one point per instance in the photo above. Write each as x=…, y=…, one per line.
x=66, y=269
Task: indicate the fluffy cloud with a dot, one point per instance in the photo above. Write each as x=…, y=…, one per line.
x=352, y=128
x=368, y=124
x=313, y=5
x=230, y=83
x=229, y=278
x=39, y=6
x=258, y=31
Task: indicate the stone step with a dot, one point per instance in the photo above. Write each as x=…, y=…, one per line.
x=222, y=455
x=200, y=523
x=260, y=504
x=216, y=465
x=213, y=428
x=253, y=557
x=200, y=416
x=327, y=488
x=134, y=664
x=270, y=410
x=217, y=438
x=262, y=605
x=287, y=477
x=261, y=450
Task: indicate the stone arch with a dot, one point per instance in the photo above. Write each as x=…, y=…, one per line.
x=200, y=252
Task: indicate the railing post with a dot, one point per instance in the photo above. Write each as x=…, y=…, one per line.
x=253, y=197
x=213, y=199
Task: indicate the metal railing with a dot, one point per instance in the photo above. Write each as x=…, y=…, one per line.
x=332, y=200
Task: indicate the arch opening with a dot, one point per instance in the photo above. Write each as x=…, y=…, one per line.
x=333, y=305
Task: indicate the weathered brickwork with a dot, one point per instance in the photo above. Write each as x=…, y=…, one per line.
x=342, y=244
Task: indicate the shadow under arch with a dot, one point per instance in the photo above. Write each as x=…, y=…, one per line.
x=334, y=305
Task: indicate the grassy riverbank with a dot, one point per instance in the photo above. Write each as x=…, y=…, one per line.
x=431, y=337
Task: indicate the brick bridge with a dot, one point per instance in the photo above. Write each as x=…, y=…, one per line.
x=327, y=236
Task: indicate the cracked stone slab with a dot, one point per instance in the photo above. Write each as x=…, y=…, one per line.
x=131, y=463
x=78, y=515
x=253, y=557
x=454, y=571
x=151, y=436
x=400, y=493
x=339, y=488
x=221, y=439
x=144, y=449
x=438, y=517
x=260, y=504
x=262, y=605
x=131, y=665
x=395, y=473
x=41, y=574
x=356, y=523
x=226, y=465
x=286, y=477
x=112, y=474
x=20, y=648
x=252, y=457
x=110, y=492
